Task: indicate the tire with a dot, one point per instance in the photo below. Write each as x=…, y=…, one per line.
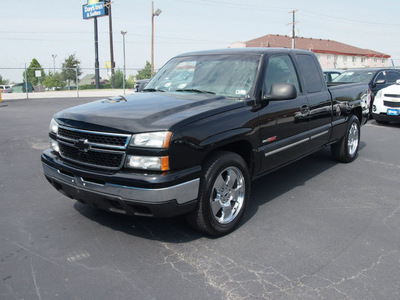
x=346, y=149
x=223, y=195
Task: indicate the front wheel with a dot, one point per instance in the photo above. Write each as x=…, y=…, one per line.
x=223, y=195
x=346, y=149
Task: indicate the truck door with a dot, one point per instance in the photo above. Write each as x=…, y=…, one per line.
x=283, y=123
x=319, y=100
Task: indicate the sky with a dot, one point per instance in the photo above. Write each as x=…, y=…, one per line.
x=42, y=28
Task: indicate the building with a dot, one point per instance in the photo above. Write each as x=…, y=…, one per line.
x=331, y=54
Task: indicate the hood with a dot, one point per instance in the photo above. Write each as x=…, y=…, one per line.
x=145, y=112
x=392, y=89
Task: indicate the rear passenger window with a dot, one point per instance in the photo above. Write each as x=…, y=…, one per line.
x=280, y=69
x=393, y=76
x=311, y=73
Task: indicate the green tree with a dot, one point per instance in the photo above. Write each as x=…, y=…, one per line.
x=31, y=72
x=69, y=70
x=144, y=73
x=119, y=79
x=3, y=81
x=54, y=80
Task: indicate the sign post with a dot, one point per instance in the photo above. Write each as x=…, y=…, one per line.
x=38, y=74
x=92, y=10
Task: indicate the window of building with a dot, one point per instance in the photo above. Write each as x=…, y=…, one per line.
x=383, y=60
x=375, y=59
x=354, y=59
x=344, y=58
x=329, y=56
x=363, y=59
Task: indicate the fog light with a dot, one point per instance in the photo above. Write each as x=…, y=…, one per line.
x=374, y=108
x=147, y=162
x=54, y=145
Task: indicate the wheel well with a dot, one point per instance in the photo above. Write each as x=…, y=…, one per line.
x=242, y=148
x=358, y=113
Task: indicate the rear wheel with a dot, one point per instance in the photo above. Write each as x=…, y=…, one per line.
x=346, y=149
x=223, y=195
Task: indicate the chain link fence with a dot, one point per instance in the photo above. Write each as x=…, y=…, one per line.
x=41, y=80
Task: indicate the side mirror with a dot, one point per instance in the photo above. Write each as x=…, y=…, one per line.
x=281, y=91
x=380, y=81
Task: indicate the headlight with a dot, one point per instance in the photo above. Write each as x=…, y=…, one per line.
x=147, y=162
x=151, y=139
x=378, y=94
x=53, y=126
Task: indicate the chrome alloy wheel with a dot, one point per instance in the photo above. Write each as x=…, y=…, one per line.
x=227, y=195
x=353, y=139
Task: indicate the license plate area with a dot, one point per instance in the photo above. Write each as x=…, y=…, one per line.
x=392, y=112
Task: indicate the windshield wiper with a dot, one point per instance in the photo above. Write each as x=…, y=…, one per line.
x=152, y=90
x=195, y=90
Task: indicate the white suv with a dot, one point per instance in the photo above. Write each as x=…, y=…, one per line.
x=386, y=107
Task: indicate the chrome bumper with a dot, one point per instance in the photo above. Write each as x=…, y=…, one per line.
x=181, y=193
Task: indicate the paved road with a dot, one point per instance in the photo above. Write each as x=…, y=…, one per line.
x=314, y=230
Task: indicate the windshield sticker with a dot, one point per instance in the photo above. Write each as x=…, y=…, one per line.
x=241, y=92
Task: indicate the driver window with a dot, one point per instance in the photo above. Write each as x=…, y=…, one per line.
x=381, y=76
x=280, y=69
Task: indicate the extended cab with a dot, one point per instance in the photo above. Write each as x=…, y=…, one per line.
x=203, y=128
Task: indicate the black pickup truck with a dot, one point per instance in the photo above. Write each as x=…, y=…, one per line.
x=203, y=128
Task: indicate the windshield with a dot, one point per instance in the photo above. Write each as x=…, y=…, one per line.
x=222, y=75
x=355, y=76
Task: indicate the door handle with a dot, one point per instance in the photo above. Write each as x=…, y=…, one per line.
x=305, y=109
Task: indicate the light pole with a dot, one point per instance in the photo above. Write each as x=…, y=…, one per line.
x=123, y=32
x=54, y=62
x=153, y=14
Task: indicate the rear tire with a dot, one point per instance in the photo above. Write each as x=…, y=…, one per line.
x=346, y=149
x=223, y=195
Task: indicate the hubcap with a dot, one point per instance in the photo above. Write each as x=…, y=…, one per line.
x=352, y=140
x=227, y=195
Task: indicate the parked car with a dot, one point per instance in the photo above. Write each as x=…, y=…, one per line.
x=141, y=84
x=331, y=74
x=386, y=107
x=193, y=146
x=4, y=87
x=375, y=78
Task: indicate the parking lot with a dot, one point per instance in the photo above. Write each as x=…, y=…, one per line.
x=316, y=229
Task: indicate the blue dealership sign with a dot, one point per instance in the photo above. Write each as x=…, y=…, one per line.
x=94, y=8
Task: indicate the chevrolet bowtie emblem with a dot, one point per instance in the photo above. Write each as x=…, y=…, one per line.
x=82, y=145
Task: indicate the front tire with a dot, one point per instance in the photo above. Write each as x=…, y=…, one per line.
x=346, y=149
x=223, y=196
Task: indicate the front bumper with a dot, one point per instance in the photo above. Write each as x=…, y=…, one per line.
x=156, y=195
x=383, y=117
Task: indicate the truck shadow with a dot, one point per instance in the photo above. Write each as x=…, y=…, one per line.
x=176, y=230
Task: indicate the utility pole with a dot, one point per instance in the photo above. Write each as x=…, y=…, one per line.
x=96, y=54
x=293, y=27
x=153, y=14
x=54, y=62
x=108, y=5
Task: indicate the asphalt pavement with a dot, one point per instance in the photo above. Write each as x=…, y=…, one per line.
x=316, y=229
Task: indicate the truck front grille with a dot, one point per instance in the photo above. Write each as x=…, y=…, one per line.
x=92, y=158
x=94, y=149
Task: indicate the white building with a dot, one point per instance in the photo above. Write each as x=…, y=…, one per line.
x=331, y=54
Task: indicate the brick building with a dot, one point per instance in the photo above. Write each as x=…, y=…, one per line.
x=331, y=54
